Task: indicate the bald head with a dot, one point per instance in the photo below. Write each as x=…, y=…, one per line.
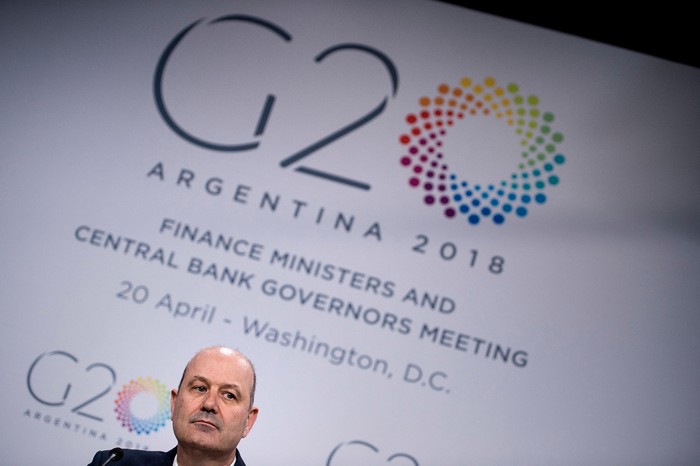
x=229, y=354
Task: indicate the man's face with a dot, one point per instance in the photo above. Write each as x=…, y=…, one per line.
x=211, y=411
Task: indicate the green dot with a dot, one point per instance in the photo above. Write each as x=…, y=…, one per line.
x=519, y=131
x=531, y=163
x=533, y=124
x=512, y=88
x=521, y=111
x=533, y=100
x=539, y=140
x=550, y=148
x=557, y=137
x=518, y=99
x=533, y=148
x=528, y=135
x=540, y=157
x=534, y=113
x=525, y=155
x=545, y=129
x=548, y=117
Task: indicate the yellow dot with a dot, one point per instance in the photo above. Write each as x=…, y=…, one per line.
x=488, y=97
x=465, y=82
x=478, y=89
x=489, y=82
x=505, y=102
x=499, y=91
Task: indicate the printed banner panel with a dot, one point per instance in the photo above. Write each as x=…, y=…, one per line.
x=442, y=237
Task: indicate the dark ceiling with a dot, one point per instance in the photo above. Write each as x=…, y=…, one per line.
x=661, y=33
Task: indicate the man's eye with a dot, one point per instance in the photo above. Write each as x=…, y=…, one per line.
x=230, y=396
x=199, y=388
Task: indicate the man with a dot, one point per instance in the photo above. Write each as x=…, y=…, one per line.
x=212, y=410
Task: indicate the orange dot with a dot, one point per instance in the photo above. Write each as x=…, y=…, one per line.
x=472, y=111
x=456, y=92
x=505, y=102
x=452, y=102
x=486, y=111
x=469, y=97
x=479, y=103
x=443, y=88
x=424, y=101
x=439, y=101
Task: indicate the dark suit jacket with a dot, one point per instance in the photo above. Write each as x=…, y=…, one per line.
x=145, y=458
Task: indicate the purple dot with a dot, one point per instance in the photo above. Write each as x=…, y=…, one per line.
x=405, y=161
x=449, y=212
x=417, y=169
x=423, y=158
x=422, y=141
x=413, y=150
x=441, y=187
x=428, y=186
x=444, y=200
x=414, y=182
x=429, y=199
x=429, y=174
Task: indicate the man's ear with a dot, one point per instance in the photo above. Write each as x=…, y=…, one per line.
x=252, y=416
x=173, y=396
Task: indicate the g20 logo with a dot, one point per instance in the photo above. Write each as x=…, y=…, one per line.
x=423, y=156
x=48, y=388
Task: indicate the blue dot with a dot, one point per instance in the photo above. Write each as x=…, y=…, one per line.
x=540, y=184
x=525, y=175
x=526, y=199
x=474, y=219
x=540, y=198
x=498, y=219
x=494, y=202
x=464, y=184
x=453, y=187
x=476, y=202
x=512, y=196
x=536, y=172
x=468, y=193
x=500, y=192
x=453, y=176
x=484, y=195
x=491, y=187
x=521, y=211
x=548, y=167
x=457, y=197
x=514, y=186
x=526, y=186
x=554, y=180
x=485, y=211
x=464, y=208
x=477, y=187
x=507, y=208
x=559, y=159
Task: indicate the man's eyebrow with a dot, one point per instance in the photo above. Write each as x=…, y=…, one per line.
x=227, y=386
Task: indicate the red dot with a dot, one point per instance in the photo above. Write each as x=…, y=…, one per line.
x=423, y=158
x=414, y=182
x=417, y=169
x=415, y=131
x=411, y=118
x=405, y=139
x=425, y=114
x=438, y=112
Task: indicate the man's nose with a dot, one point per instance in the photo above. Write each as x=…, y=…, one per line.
x=209, y=403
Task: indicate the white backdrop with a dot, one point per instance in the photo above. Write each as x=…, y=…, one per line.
x=383, y=330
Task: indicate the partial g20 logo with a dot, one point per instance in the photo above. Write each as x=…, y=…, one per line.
x=52, y=376
x=362, y=452
x=422, y=144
